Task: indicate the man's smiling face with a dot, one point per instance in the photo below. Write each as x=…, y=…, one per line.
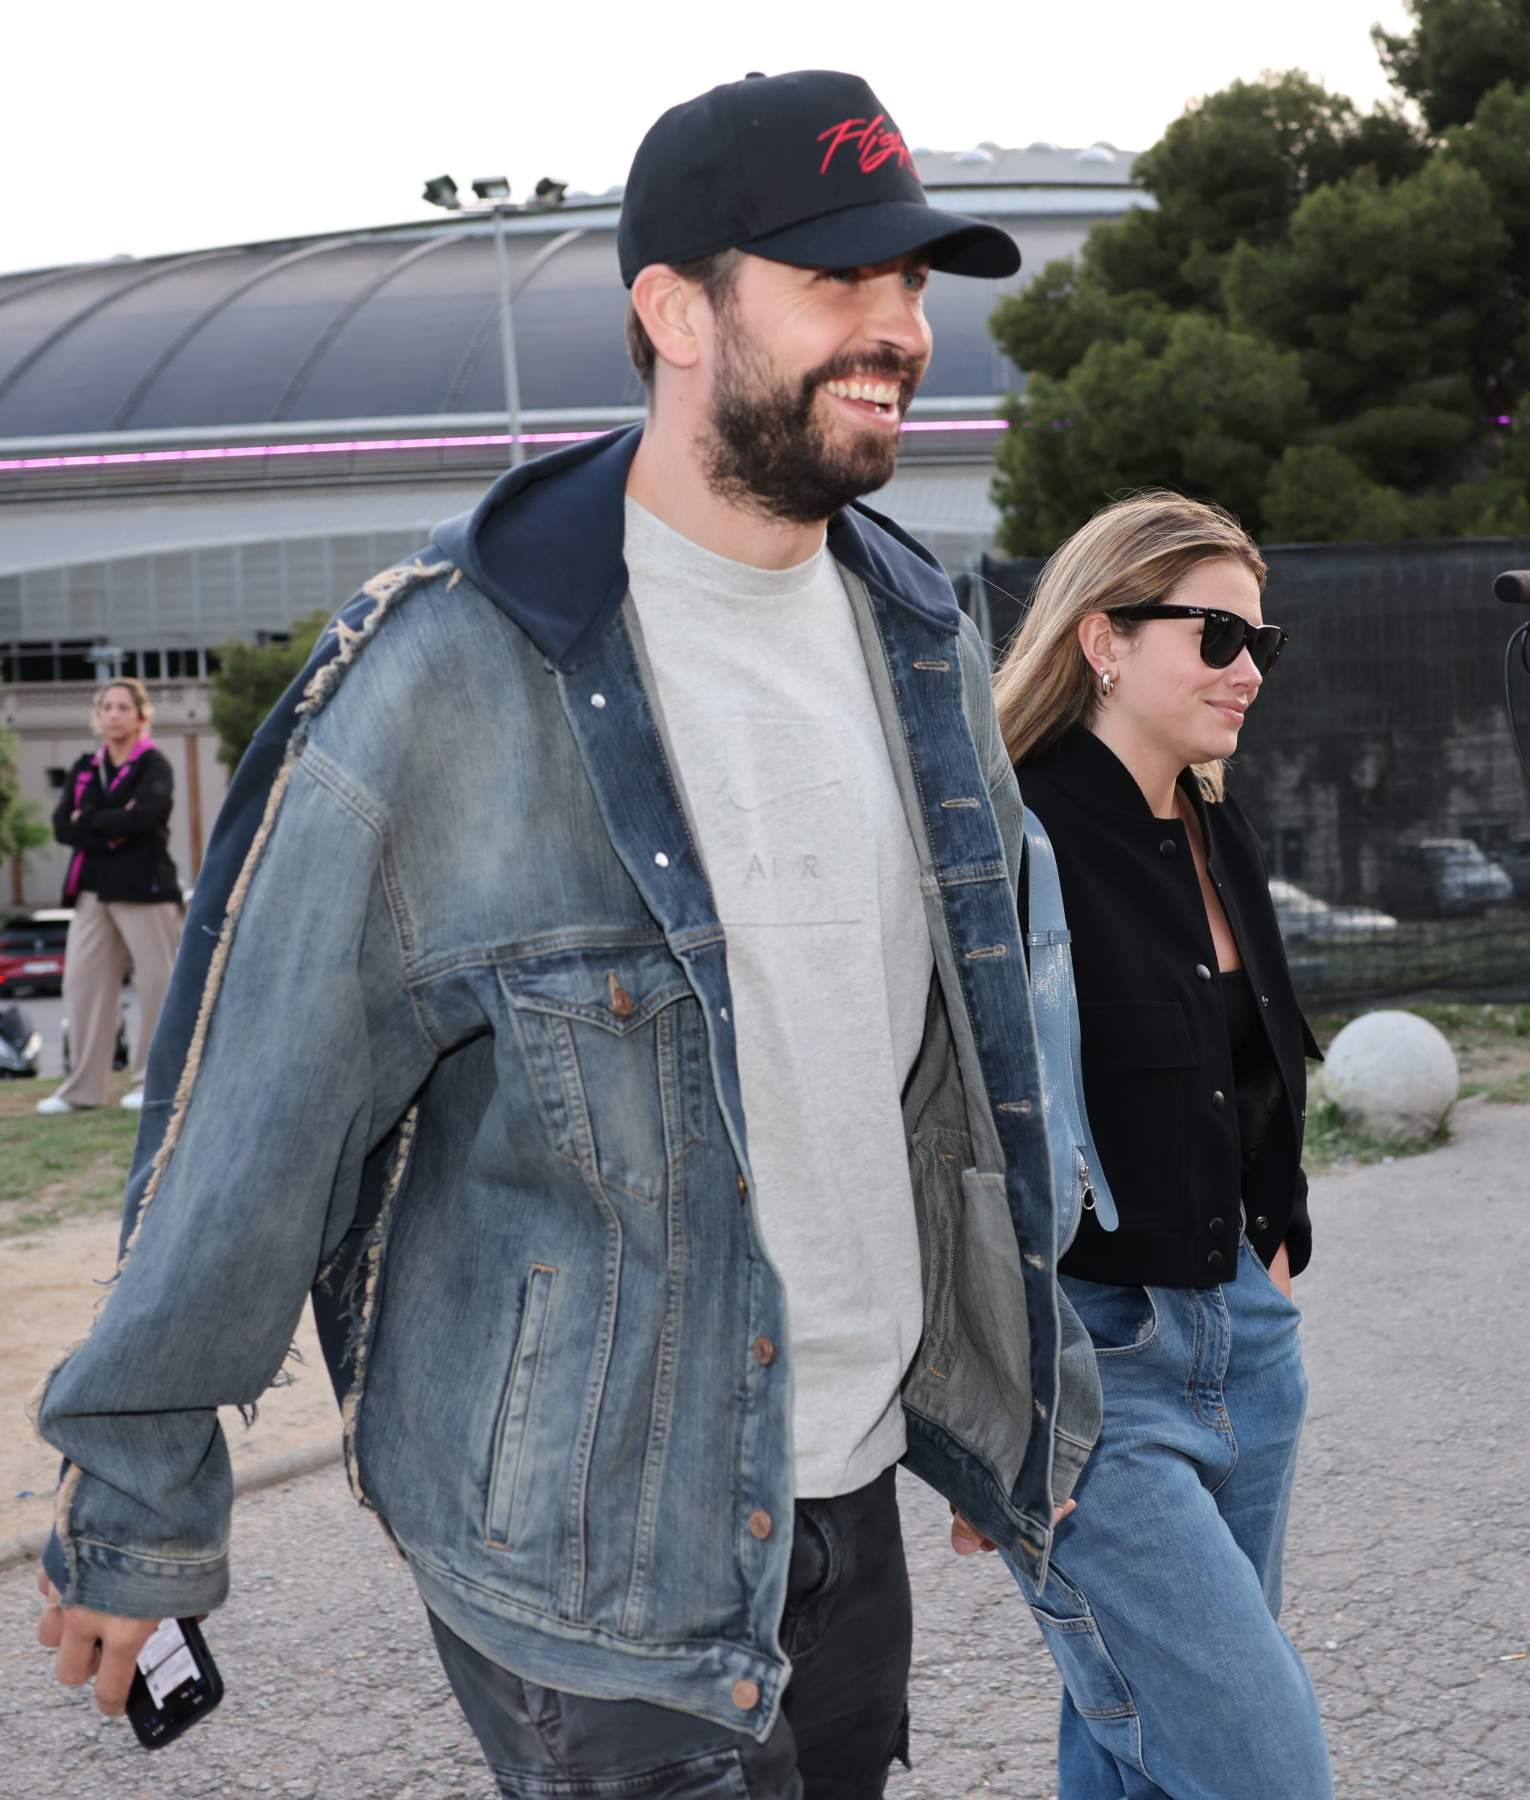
x=812, y=374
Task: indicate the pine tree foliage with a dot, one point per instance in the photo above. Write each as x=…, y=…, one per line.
x=1322, y=322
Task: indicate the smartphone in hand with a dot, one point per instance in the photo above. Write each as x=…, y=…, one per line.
x=176, y=1683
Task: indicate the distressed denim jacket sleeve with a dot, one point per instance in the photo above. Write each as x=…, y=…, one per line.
x=305, y=1051
x=1080, y=1406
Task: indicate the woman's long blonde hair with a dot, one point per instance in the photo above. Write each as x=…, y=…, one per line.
x=1129, y=554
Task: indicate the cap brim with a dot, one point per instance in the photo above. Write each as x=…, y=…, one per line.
x=883, y=229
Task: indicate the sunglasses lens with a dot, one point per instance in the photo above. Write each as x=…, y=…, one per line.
x=1221, y=639
x=1264, y=645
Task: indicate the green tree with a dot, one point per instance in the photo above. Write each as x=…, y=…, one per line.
x=1457, y=51
x=251, y=678
x=1195, y=405
x=1392, y=297
x=1315, y=492
x=1497, y=504
x=22, y=827
x=1377, y=278
x=1232, y=169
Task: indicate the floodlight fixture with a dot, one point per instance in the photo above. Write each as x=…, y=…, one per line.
x=441, y=190
x=549, y=192
x=492, y=187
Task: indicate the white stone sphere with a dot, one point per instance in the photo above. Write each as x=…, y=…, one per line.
x=1394, y=1074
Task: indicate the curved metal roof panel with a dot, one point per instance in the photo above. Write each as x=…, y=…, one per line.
x=389, y=324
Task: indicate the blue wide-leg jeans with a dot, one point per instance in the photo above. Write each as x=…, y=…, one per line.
x=1162, y=1602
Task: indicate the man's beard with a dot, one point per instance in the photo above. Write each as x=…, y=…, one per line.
x=767, y=454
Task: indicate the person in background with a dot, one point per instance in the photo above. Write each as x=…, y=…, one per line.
x=1120, y=699
x=114, y=813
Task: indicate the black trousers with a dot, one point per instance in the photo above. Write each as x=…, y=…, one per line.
x=848, y=1630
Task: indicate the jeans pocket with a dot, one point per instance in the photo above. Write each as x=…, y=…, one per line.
x=816, y=1565
x=1094, y=1683
x=1121, y=1321
x=1260, y=1272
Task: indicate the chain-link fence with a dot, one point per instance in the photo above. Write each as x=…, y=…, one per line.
x=1378, y=765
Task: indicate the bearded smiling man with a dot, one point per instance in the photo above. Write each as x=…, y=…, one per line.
x=653, y=1107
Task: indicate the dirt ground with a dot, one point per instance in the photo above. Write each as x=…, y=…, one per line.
x=48, y=1293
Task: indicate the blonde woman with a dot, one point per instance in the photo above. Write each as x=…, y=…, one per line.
x=114, y=813
x=1121, y=699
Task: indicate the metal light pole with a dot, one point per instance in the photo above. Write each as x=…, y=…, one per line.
x=493, y=192
x=507, y=342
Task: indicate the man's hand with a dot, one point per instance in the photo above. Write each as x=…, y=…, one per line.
x=967, y=1539
x=92, y=1644
x=1280, y=1271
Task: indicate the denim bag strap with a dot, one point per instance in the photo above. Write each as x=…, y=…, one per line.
x=1077, y=1177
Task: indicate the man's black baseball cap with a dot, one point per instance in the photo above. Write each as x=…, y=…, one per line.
x=805, y=169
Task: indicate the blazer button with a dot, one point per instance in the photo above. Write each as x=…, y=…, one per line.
x=1215, y=1259
x=761, y=1524
x=1168, y=848
x=1202, y=973
x=746, y=1695
x=1261, y=1223
x=1219, y=1099
x=1215, y=1225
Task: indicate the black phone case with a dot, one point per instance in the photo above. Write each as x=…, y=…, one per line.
x=194, y=1699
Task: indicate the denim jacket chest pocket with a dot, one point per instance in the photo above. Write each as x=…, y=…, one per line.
x=613, y=1040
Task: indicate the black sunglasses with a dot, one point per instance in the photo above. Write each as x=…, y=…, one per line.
x=1224, y=635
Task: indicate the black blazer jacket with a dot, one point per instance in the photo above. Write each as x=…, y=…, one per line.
x=1158, y=1074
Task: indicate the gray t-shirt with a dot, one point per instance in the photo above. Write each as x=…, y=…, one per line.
x=785, y=774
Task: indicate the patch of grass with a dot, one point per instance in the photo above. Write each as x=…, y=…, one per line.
x=1513, y=1092
x=1461, y=1022
x=1333, y=1139
x=53, y=1169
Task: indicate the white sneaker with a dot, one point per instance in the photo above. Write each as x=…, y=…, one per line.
x=54, y=1104
x=132, y=1101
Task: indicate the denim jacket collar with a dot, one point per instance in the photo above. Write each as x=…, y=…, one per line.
x=554, y=563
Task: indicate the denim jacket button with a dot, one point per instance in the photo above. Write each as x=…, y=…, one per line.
x=746, y=1695
x=743, y=1188
x=764, y=1352
x=761, y=1524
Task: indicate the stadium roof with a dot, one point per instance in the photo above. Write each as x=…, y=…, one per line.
x=394, y=330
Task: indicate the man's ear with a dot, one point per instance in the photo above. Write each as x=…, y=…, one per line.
x=666, y=304
x=1097, y=640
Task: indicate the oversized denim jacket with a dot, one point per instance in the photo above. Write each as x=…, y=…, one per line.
x=448, y=1044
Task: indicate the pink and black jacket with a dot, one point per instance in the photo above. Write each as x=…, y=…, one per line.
x=121, y=838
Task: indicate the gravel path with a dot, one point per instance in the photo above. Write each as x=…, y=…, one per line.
x=1408, y=1573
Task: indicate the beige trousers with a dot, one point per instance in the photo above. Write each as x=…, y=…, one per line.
x=103, y=935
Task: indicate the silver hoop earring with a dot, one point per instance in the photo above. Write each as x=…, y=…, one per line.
x=1107, y=682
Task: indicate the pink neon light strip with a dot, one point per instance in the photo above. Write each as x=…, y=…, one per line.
x=491, y=440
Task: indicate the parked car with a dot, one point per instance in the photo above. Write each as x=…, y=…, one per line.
x=1303, y=917
x=32, y=951
x=1515, y=861
x=1438, y=877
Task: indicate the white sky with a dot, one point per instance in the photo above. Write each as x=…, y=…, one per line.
x=171, y=126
